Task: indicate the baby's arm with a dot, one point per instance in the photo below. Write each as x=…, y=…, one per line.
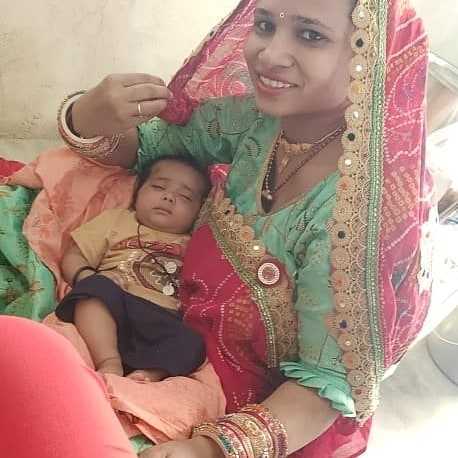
x=88, y=245
x=72, y=262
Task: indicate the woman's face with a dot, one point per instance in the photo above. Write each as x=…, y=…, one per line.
x=298, y=55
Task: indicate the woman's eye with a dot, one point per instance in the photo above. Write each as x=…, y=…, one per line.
x=184, y=196
x=311, y=35
x=264, y=26
x=156, y=186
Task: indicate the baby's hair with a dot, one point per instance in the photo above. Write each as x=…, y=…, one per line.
x=185, y=159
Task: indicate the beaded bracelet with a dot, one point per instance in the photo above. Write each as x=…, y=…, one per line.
x=94, y=148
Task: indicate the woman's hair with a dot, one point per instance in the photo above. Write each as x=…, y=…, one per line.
x=185, y=159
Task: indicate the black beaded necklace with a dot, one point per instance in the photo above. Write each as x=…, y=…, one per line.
x=269, y=189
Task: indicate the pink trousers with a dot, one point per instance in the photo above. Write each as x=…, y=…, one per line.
x=51, y=404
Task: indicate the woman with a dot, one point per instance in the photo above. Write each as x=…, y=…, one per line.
x=315, y=283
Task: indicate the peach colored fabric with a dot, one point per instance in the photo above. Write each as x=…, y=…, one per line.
x=67, y=201
x=164, y=410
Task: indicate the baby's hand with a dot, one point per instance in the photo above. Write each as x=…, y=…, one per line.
x=139, y=376
x=197, y=447
x=148, y=375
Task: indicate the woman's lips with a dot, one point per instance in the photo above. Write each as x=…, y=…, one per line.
x=272, y=86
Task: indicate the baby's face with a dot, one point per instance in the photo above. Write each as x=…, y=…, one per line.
x=171, y=197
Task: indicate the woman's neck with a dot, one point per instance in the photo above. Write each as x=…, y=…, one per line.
x=309, y=128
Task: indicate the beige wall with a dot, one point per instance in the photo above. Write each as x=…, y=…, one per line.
x=441, y=19
x=49, y=48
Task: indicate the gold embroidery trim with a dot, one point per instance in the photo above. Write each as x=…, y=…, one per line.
x=350, y=322
x=246, y=254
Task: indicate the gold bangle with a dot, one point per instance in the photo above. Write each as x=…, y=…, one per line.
x=254, y=432
x=260, y=438
x=99, y=147
x=276, y=430
x=231, y=423
x=212, y=431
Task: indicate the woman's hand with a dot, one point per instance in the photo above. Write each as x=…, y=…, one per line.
x=112, y=106
x=197, y=447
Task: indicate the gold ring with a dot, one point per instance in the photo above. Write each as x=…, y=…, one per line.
x=139, y=109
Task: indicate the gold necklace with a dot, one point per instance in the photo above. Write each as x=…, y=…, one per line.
x=269, y=189
x=290, y=150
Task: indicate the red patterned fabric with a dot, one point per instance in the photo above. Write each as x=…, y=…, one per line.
x=8, y=167
x=235, y=336
x=217, y=69
x=407, y=186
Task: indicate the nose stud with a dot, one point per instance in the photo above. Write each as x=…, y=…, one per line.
x=283, y=15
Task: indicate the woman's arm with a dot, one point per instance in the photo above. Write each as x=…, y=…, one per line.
x=211, y=135
x=112, y=107
x=125, y=155
x=302, y=412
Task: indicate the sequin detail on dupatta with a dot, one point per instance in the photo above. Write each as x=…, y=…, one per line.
x=366, y=216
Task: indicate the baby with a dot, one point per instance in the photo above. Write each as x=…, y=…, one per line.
x=124, y=267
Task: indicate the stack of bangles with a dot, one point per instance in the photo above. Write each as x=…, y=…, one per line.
x=93, y=148
x=254, y=432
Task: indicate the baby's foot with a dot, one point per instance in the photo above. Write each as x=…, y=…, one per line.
x=148, y=375
x=111, y=366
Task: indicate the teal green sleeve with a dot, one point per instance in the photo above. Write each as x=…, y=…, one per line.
x=319, y=365
x=140, y=444
x=27, y=286
x=211, y=136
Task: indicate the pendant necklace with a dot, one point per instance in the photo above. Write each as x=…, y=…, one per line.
x=168, y=269
x=309, y=150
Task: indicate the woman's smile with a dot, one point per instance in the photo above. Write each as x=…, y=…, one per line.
x=272, y=86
